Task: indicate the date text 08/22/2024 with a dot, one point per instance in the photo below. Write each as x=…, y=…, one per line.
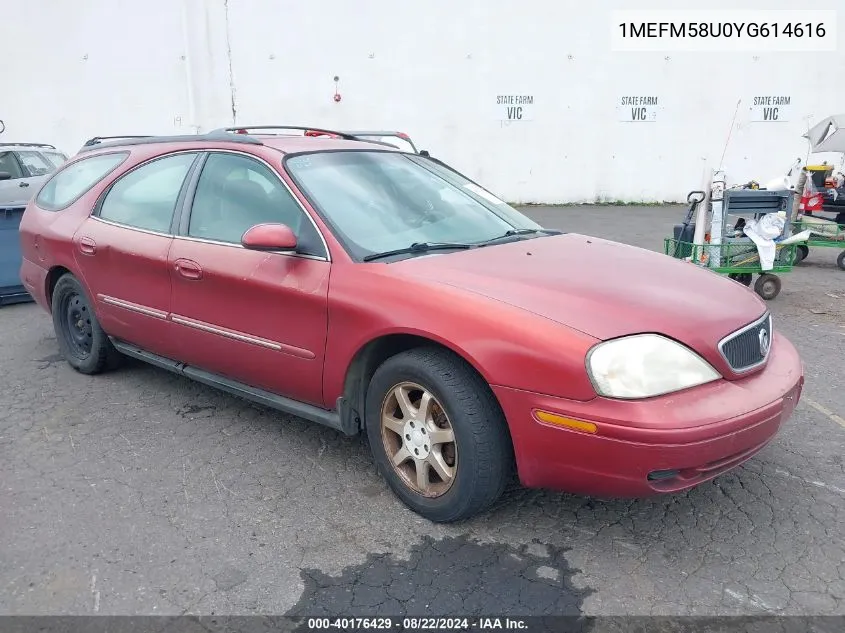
x=415, y=624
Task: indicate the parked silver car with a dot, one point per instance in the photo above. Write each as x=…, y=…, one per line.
x=23, y=167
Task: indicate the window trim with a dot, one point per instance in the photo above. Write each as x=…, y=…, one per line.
x=70, y=164
x=181, y=230
x=324, y=216
x=180, y=198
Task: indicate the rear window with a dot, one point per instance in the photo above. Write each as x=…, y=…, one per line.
x=71, y=183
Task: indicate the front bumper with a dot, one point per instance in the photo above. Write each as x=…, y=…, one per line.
x=680, y=440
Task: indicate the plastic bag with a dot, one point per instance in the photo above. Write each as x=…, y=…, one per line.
x=763, y=232
x=769, y=227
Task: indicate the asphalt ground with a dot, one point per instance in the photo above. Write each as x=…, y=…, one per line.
x=137, y=492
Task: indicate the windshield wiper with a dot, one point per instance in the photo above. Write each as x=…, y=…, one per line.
x=419, y=247
x=516, y=232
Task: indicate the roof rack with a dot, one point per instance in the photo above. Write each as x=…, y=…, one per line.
x=311, y=131
x=99, y=139
x=47, y=145
x=405, y=137
x=242, y=129
x=115, y=141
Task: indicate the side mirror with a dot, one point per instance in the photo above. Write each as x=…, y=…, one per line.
x=269, y=237
x=4, y=175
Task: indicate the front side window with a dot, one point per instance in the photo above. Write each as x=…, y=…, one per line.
x=381, y=201
x=234, y=193
x=9, y=165
x=72, y=182
x=36, y=164
x=145, y=198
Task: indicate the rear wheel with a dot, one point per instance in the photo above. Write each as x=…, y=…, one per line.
x=767, y=286
x=840, y=261
x=82, y=342
x=437, y=434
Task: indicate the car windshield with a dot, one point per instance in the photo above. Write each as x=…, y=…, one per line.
x=381, y=201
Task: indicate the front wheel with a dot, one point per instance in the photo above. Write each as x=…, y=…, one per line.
x=840, y=261
x=801, y=253
x=437, y=434
x=767, y=286
x=82, y=342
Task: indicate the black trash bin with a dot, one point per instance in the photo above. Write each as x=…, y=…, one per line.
x=11, y=288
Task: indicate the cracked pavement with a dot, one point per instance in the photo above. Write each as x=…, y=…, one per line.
x=138, y=492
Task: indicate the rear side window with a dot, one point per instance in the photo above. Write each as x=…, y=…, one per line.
x=145, y=198
x=71, y=183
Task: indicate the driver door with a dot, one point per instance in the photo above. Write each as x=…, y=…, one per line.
x=255, y=317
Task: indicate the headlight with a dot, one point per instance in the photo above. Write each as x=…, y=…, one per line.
x=645, y=365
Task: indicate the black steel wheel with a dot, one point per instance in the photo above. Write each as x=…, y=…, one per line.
x=83, y=343
x=767, y=286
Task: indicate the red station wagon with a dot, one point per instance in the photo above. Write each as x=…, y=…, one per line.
x=379, y=291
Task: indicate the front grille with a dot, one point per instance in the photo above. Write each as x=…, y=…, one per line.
x=748, y=347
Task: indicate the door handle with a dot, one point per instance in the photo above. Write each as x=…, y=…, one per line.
x=188, y=269
x=87, y=245
x=23, y=184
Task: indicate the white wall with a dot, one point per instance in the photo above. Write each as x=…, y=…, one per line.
x=431, y=68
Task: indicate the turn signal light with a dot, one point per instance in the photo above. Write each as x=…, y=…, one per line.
x=569, y=423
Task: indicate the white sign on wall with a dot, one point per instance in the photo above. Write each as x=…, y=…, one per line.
x=515, y=107
x=637, y=109
x=771, y=108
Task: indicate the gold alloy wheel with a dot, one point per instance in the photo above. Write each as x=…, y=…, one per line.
x=418, y=439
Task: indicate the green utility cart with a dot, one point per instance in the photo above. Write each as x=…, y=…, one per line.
x=736, y=256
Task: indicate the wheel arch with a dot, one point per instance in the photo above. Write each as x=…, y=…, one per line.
x=53, y=275
x=376, y=351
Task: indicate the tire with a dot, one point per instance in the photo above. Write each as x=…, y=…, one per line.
x=481, y=452
x=82, y=342
x=767, y=286
x=840, y=261
x=801, y=253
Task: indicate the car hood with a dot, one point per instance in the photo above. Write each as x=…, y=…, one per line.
x=601, y=288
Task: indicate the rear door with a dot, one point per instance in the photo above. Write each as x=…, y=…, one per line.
x=122, y=250
x=260, y=318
